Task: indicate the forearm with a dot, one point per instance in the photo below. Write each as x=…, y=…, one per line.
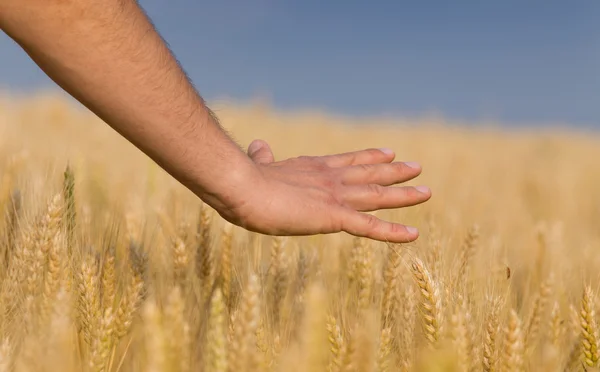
x=108, y=56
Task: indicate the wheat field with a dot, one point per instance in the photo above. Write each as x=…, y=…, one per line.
x=108, y=264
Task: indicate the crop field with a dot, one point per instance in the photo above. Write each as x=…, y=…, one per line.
x=109, y=264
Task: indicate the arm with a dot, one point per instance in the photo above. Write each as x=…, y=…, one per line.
x=108, y=56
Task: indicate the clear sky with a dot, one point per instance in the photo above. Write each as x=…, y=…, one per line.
x=512, y=61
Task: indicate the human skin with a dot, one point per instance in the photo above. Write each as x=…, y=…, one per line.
x=108, y=55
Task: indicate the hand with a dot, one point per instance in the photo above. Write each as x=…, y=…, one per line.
x=326, y=194
x=166, y=118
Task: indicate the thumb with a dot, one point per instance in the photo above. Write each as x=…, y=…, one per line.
x=260, y=152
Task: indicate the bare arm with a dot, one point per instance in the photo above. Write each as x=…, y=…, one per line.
x=108, y=55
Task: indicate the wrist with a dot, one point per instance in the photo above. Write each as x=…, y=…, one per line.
x=223, y=174
x=229, y=193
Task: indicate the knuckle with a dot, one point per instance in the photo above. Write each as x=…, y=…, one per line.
x=328, y=183
x=399, y=168
x=366, y=168
x=412, y=192
x=373, y=152
x=351, y=157
x=376, y=190
x=320, y=164
x=371, y=221
x=364, y=171
x=313, y=162
x=396, y=229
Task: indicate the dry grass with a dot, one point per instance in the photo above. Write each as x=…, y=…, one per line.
x=107, y=264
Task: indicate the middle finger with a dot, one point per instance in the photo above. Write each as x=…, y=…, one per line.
x=373, y=197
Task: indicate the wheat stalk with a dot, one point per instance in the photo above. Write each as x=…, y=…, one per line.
x=430, y=306
x=513, y=356
x=589, y=330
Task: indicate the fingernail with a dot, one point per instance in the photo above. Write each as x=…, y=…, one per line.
x=412, y=230
x=423, y=189
x=412, y=164
x=387, y=151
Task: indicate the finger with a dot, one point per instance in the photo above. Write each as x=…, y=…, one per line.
x=372, y=197
x=369, y=156
x=260, y=152
x=369, y=226
x=381, y=174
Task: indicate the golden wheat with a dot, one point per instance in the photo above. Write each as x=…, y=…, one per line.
x=100, y=269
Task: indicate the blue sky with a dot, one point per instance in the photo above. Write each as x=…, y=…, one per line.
x=512, y=61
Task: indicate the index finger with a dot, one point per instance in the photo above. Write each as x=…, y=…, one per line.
x=368, y=156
